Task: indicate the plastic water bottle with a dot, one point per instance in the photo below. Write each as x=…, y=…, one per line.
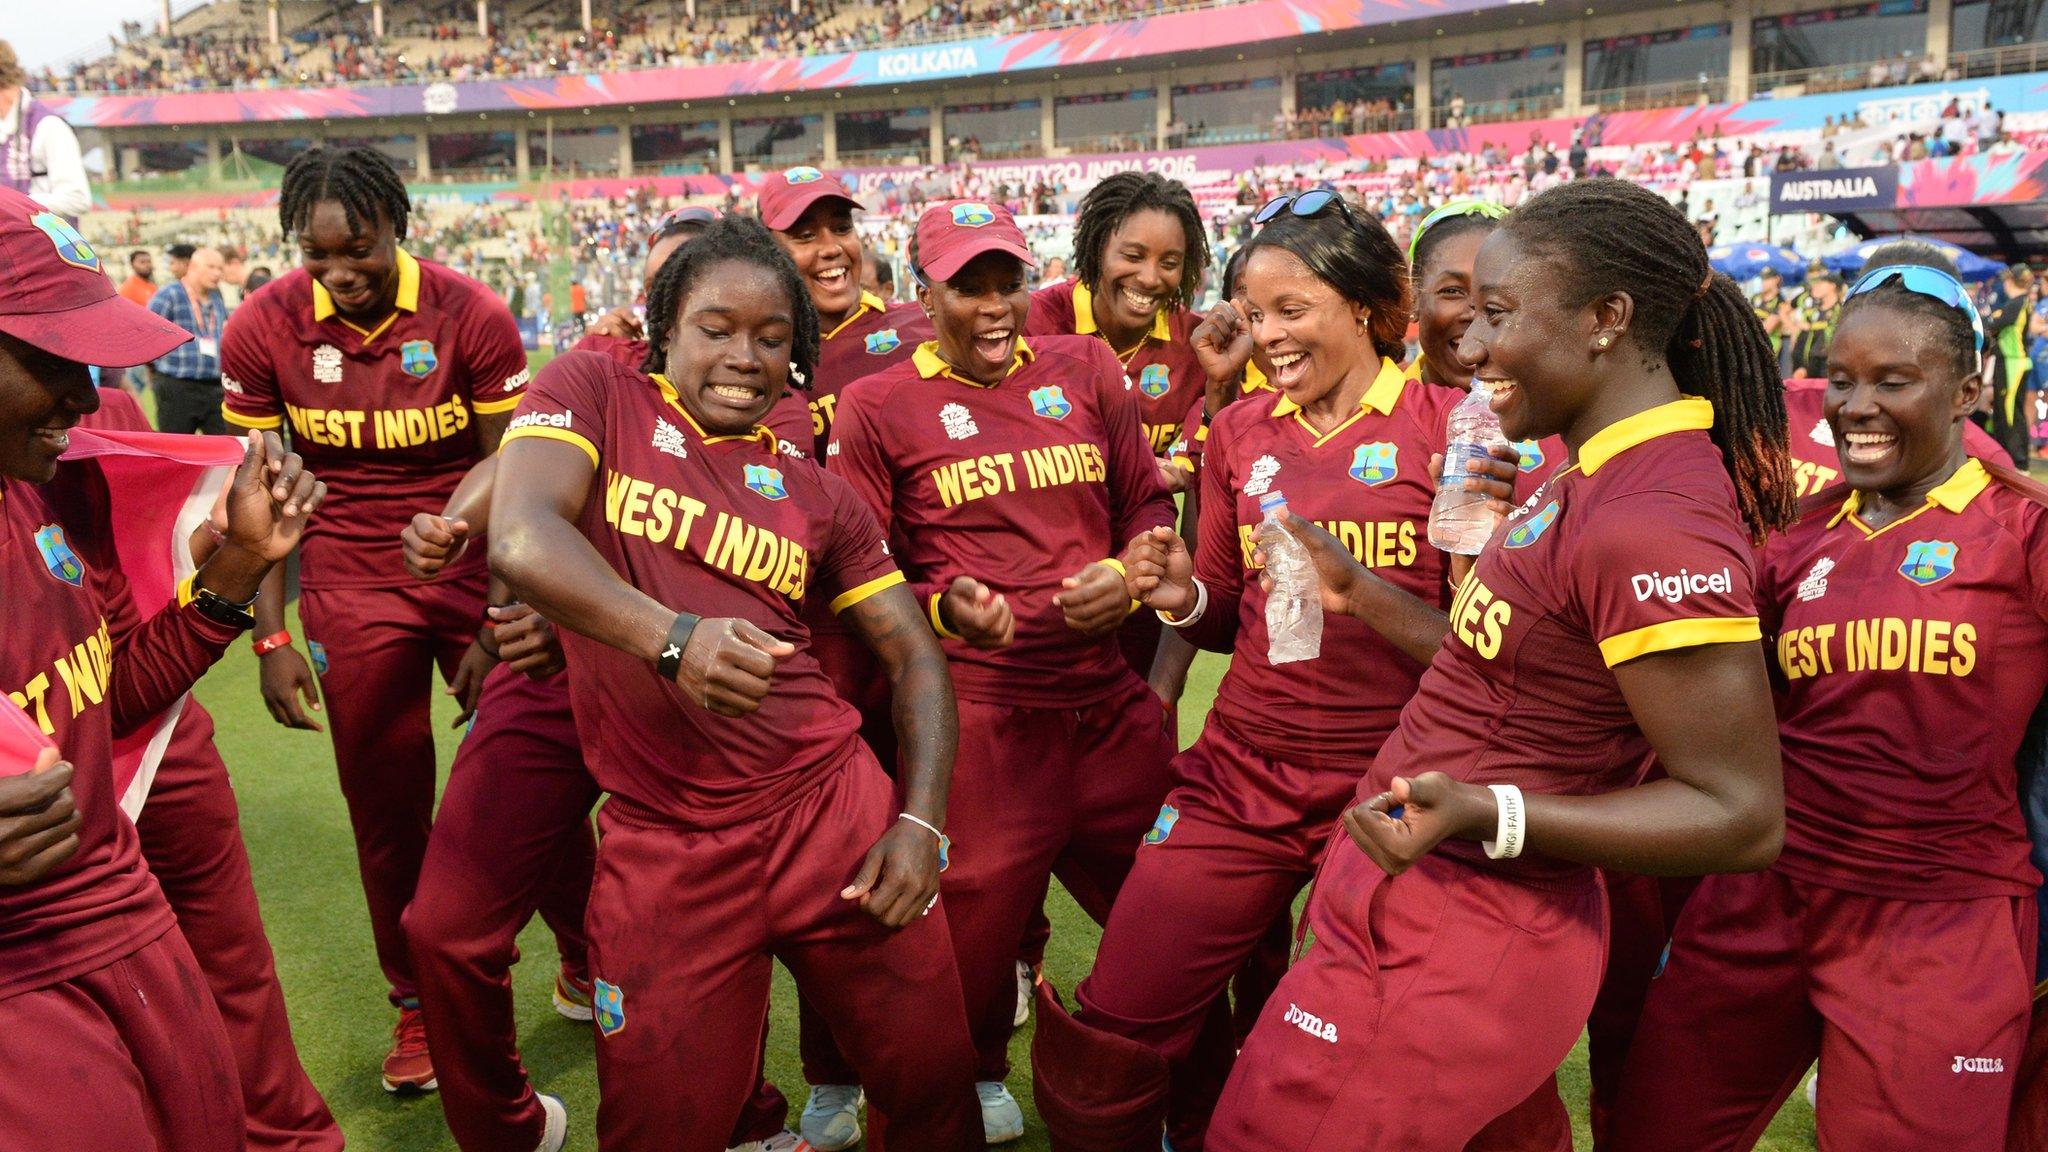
x=1294, y=609
x=1460, y=521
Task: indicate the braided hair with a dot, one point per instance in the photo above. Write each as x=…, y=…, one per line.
x=361, y=180
x=1119, y=197
x=1352, y=253
x=1612, y=236
x=731, y=238
x=1443, y=230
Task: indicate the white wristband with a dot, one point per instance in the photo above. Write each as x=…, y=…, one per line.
x=1513, y=829
x=1201, y=606
x=924, y=824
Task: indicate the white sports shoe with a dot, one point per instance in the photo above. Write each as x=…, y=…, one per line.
x=555, y=1132
x=1025, y=983
x=1001, y=1119
x=780, y=1142
x=831, y=1119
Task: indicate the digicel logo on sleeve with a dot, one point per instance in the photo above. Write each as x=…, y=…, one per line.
x=1672, y=589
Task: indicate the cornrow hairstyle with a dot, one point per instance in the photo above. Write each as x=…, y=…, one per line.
x=1611, y=236
x=1353, y=254
x=1120, y=196
x=361, y=180
x=1913, y=252
x=1958, y=338
x=1443, y=230
x=732, y=238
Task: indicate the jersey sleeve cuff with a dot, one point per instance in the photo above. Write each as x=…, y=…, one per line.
x=269, y=423
x=493, y=407
x=1675, y=634
x=858, y=593
x=542, y=432
x=185, y=589
x=938, y=622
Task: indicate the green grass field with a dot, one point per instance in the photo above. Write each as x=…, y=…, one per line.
x=304, y=860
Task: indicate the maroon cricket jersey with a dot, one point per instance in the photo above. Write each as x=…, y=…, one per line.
x=1635, y=549
x=1367, y=482
x=118, y=411
x=718, y=526
x=789, y=419
x=874, y=337
x=1165, y=370
x=1019, y=485
x=387, y=417
x=1816, y=463
x=1911, y=657
x=84, y=668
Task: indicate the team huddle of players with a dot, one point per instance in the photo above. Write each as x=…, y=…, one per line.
x=867, y=621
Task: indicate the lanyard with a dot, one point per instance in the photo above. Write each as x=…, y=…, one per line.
x=201, y=314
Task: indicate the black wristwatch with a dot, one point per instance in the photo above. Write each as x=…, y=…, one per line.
x=221, y=610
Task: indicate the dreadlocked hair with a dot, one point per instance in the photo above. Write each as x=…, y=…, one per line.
x=361, y=180
x=1611, y=237
x=739, y=239
x=1119, y=197
x=1353, y=254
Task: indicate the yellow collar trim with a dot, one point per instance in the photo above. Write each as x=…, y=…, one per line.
x=1084, y=316
x=1953, y=494
x=1689, y=414
x=408, y=294
x=869, y=302
x=930, y=363
x=1381, y=397
x=1255, y=380
x=759, y=432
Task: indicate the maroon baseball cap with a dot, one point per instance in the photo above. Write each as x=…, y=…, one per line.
x=952, y=232
x=788, y=194
x=55, y=295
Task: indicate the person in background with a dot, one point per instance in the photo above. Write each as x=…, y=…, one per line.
x=187, y=378
x=140, y=286
x=1815, y=314
x=258, y=277
x=1772, y=308
x=39, y=154
x=234, y=275
x=2008, y=416
x=180, y=258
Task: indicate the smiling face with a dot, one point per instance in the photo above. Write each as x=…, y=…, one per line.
x=1310, y=335
x=1896, y=400
x=358, y=269
x=728, y=355
x=1142, y=264
x=1523, y=343
x=979, y=314
x=827, y=254
x=1444, y=305
x=42, y=398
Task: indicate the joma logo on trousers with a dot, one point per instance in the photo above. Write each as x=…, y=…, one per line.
x=1314, y=1025
x=1979, y=1064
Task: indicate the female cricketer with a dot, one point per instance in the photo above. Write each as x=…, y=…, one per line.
x=395, y=376
x=1894, y=938
x=109, y=1037
x=1346, y=438
x=1457, y=921
x=747, y=820
x=1005, y=470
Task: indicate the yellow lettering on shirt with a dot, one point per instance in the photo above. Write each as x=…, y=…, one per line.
x=1479, y=618
x=1161, y=436
x=758, y=555
x=390, y=428
x=329, y=427
x=1879, y=644
x=1373, y=543
x=821, y=414
x=961, y=481
x=636, y=507
x=1812, y=477
x=641, y=508
x=1064, y=464
x=86, y=668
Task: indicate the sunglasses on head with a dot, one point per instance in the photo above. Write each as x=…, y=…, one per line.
x=1303, y=204
x=1924, y=281
x=1455, y=208
x=681, y=218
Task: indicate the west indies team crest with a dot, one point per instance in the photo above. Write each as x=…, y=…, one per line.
x=58, y=557
x=71, y=247
x=973, y=214
x=884, y=342
x=1163, y=826
x=1153, y=381
x=766, y=481
x=1376, y=463
x=608, y=1001
x=417, y=358
x=1531, y=455
x=1529, y=531
x=1929, y=561
x=803, y=174
x=1050, y=402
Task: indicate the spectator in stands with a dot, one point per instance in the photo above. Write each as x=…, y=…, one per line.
x=1986, y=124
x=39, y=154
x=187, y=379
x=140, y=287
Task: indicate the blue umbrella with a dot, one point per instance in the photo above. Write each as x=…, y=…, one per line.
x=1972, y=266
x=1742, y=261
